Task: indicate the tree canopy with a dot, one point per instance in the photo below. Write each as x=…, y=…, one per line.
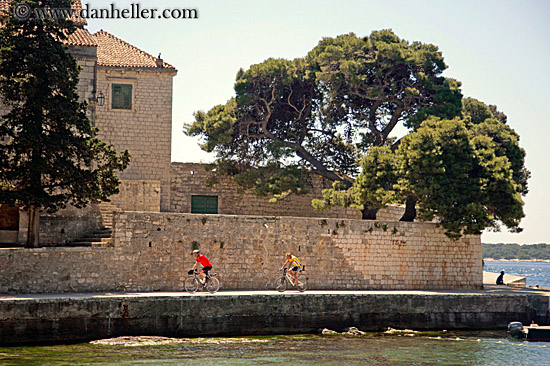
x=467, y=172
x=51, y=155
x=332, y=113
x=322, y=111
x=516, y=251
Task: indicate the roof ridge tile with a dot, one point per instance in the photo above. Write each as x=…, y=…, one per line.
x=115, y=52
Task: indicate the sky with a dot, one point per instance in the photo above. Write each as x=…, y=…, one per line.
x=499, y=50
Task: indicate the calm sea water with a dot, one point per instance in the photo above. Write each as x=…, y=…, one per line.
x=536, y=273
x=451, y=349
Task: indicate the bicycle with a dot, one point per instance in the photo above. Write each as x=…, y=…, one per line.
x=193, y=284
x=286, y=278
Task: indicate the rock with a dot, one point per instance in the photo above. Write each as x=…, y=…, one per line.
x=400, y=331
x=353, y=331
x=328, y=331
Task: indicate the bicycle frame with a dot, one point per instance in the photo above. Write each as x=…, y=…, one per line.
x=281, y=282
x=211, y=284
x=289, y=277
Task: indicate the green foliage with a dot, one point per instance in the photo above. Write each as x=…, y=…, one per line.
x=378, y=81
x=471, y=176
x=373, y=187
x=339, y=195
x=462, y=174
x=322, y=111
x=516, y=251
x=438, y=164
x=50, y=153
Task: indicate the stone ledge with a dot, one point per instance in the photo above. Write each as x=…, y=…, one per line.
x=83, y=317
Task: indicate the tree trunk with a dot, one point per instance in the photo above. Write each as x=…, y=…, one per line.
x=368, y=213
x=410, y=209
x=34, y=223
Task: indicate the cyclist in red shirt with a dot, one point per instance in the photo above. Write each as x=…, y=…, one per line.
x=206, y=265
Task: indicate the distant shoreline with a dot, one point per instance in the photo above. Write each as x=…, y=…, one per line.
x=516, y=260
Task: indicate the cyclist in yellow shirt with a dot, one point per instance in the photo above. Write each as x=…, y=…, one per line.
x=294, y=266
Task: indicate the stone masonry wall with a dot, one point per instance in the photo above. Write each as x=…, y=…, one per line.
x=68, y=224
x=145, y=130
x=152, y=252
x=138, y=195
x=68, y=318
x=190, y=179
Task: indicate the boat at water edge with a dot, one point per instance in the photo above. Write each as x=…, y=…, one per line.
x=533, y=332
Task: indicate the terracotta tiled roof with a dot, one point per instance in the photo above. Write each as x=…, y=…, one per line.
x=114, y=52
x=81, y=38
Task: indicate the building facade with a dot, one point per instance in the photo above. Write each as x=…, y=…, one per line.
x=136, y=115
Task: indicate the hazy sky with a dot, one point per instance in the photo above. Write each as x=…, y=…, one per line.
x=499, y=50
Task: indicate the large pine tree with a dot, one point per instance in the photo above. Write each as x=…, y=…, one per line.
x=50, y=154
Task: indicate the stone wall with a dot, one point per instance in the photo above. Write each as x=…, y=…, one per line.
x=188, y=179
x=146, y=129
x=86, y=58
x=83, y=318
x=138, y=195
x=64, y=226
x=152, y=251
x=68, y=224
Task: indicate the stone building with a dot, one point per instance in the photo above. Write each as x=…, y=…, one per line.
x=142, y=239
x=136, y=114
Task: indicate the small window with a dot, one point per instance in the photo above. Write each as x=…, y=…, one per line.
x=204, y=204
x=122, y=96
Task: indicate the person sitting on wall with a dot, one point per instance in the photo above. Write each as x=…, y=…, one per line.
x=500, y=279
x=294, y=266
x=206, y=265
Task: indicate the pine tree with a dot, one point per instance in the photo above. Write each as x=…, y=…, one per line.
x=50, y=153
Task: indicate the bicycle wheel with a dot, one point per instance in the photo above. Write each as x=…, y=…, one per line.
x=280, y=284
x=302, y=285
x=191, y=284
x=212, y=285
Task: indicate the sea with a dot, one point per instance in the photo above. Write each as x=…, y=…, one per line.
x=535, y=273
x=403, y=349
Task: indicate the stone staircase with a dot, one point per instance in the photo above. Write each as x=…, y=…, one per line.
x=106, y=209
x=102, y=237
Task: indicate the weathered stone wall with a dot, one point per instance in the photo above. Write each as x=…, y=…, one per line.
x=390, y=213
x=68, y=224
x=152, y=251
x=86, y=58
x=189, y=179
x=145, y=130
x=138, y=195
x=79, y=318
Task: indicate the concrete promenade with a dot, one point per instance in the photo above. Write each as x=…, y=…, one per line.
x=40, y=318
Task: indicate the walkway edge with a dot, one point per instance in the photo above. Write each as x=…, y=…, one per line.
x=81, y=317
